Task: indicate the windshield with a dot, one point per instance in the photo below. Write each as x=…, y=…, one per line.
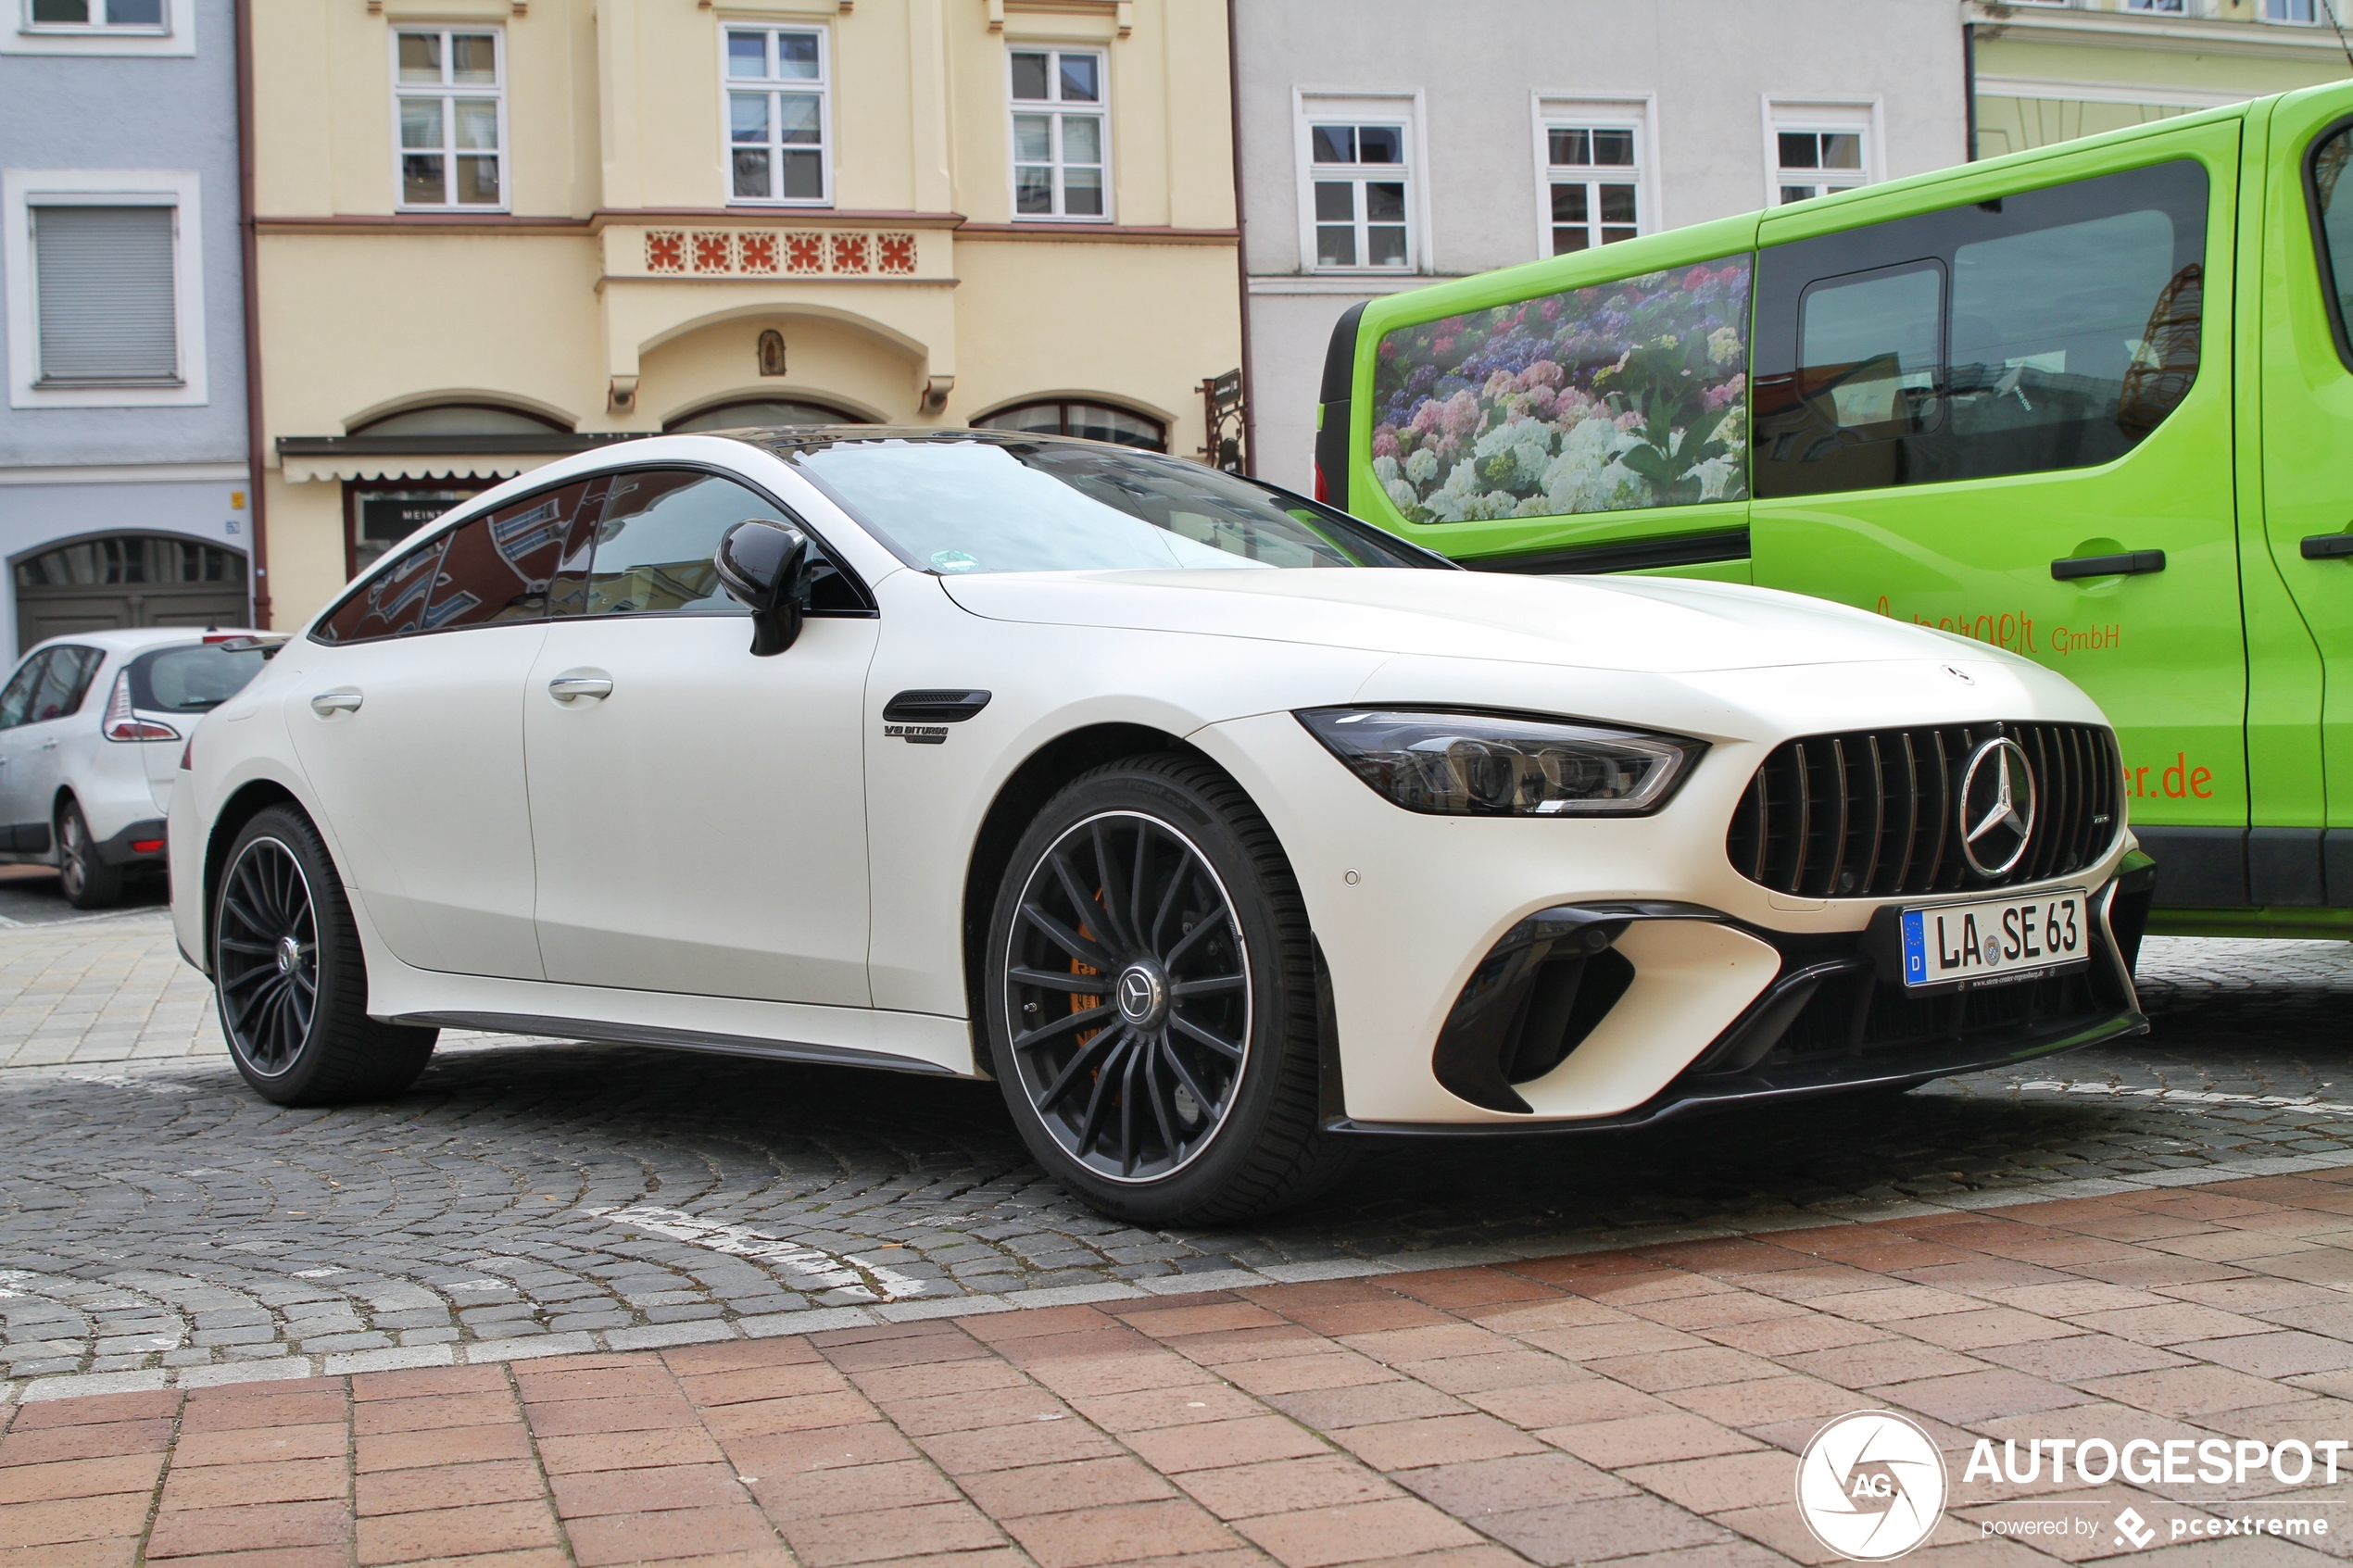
x=958, y=505
x=195, y=678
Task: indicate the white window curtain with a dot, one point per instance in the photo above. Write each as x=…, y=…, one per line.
x=103, y=277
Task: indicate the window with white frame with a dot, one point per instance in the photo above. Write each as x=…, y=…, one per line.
x=778, y=116
x=98, y=15
x=1814, y=148
x=1358, y=179
x=450, y=94
x=105, y=292
x=1061, y=136
x=1593, y=180
x=2161, y=7
x=2300, y=12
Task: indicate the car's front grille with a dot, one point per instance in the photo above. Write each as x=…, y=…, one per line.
x=1875, y=813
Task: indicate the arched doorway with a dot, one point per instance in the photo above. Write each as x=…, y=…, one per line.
x=121, y=580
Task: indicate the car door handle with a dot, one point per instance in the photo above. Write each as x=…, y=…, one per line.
x=2131, y=564
x=48, y=745
x=328, y=704
x=571, y=688
x=2327, y=546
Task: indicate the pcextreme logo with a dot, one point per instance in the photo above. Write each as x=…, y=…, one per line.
x=1871, y=1485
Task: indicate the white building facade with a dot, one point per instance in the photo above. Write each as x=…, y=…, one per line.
x=1385, y=145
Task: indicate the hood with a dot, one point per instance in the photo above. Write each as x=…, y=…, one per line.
x=1654, y=624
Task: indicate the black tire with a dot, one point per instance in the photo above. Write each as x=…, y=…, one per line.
x=1174, y=1129
x=89, y=883
x=290, y=980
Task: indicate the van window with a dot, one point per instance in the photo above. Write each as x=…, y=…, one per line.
x=2333, y=218
x=1632, y=394
x=2053, y=329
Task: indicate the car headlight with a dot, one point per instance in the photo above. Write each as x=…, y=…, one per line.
x=1502, y=765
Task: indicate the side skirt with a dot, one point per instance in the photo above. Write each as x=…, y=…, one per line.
x=676, y=1039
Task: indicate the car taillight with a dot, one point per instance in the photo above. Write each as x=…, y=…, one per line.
x=1323, y=493
x=120, y=724
x=188, y=755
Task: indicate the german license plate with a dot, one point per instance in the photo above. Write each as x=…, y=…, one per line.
x=1999, y=940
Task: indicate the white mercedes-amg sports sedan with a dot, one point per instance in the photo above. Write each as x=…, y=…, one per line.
x=1218, y=828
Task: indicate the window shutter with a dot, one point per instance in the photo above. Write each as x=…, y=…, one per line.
x=104, y=277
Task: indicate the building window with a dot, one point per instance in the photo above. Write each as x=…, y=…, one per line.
x=450, y=98
x=1812, y=149
x=777, y=147
x=1061, y=137
x=105, y=285
x=2300, y=12
x=1812, y=163
x=98, y=15
x=1093, y=421
x=379, y=515
x=1358, y=175
x=1594, y=176
x=2168, y=7
x=102, y=270
x=764, y=413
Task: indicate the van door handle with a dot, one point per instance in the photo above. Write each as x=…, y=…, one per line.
x=570, y=688
x=328, y=704
x=2131, y=564
x=2327, y=546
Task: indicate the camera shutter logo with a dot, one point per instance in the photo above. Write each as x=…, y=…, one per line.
x=1996, y=806
x=1871, y=1485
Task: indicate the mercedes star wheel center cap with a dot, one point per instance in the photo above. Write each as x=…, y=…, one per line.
x=1996, y=806
x=1140, y=992
x=289, y=954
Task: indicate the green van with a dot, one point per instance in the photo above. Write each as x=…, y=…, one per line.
x=2092, y=403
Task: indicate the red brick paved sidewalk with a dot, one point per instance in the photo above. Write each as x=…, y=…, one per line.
x=1643, y=1405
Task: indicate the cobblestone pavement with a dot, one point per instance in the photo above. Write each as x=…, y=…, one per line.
x=1643, y=1407
x=160, y=1225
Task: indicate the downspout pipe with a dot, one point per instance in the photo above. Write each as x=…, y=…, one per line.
x=250, y=241
x=1242, y=243
x=1968, y=91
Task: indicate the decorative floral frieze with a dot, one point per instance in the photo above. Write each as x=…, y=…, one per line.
x=761, y=253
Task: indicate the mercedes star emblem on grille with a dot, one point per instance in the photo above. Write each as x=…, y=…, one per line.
x=1997, y=807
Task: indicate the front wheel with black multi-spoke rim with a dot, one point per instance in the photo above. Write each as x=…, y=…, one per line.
x=292, y=982
x=1151, y=998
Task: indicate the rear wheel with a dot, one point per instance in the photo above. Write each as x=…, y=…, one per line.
x=1152, y=999
x=292, y=982
x=89, y=883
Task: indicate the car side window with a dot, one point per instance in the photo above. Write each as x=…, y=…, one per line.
x=64, y=683
x=391, y=602
x=655, y=535
x=2047, y=330
x=16, y=698
x=497, y=567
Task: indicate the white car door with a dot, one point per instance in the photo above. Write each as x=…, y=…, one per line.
x=409, y=727
x=29, y=749
x=699, y=812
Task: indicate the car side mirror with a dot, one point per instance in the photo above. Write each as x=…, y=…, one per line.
x=764, y=566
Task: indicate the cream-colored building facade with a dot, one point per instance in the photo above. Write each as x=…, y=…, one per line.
x=2052, y=70
x=490, y=232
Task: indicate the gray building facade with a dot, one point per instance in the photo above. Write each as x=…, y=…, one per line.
x=125, y=496
x=1385, y=145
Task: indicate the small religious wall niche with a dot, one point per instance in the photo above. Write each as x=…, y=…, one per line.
x=772, y=353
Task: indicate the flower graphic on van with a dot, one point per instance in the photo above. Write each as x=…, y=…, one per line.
x=1626, y=395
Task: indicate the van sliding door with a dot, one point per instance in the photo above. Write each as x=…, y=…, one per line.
x=2010, y=417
